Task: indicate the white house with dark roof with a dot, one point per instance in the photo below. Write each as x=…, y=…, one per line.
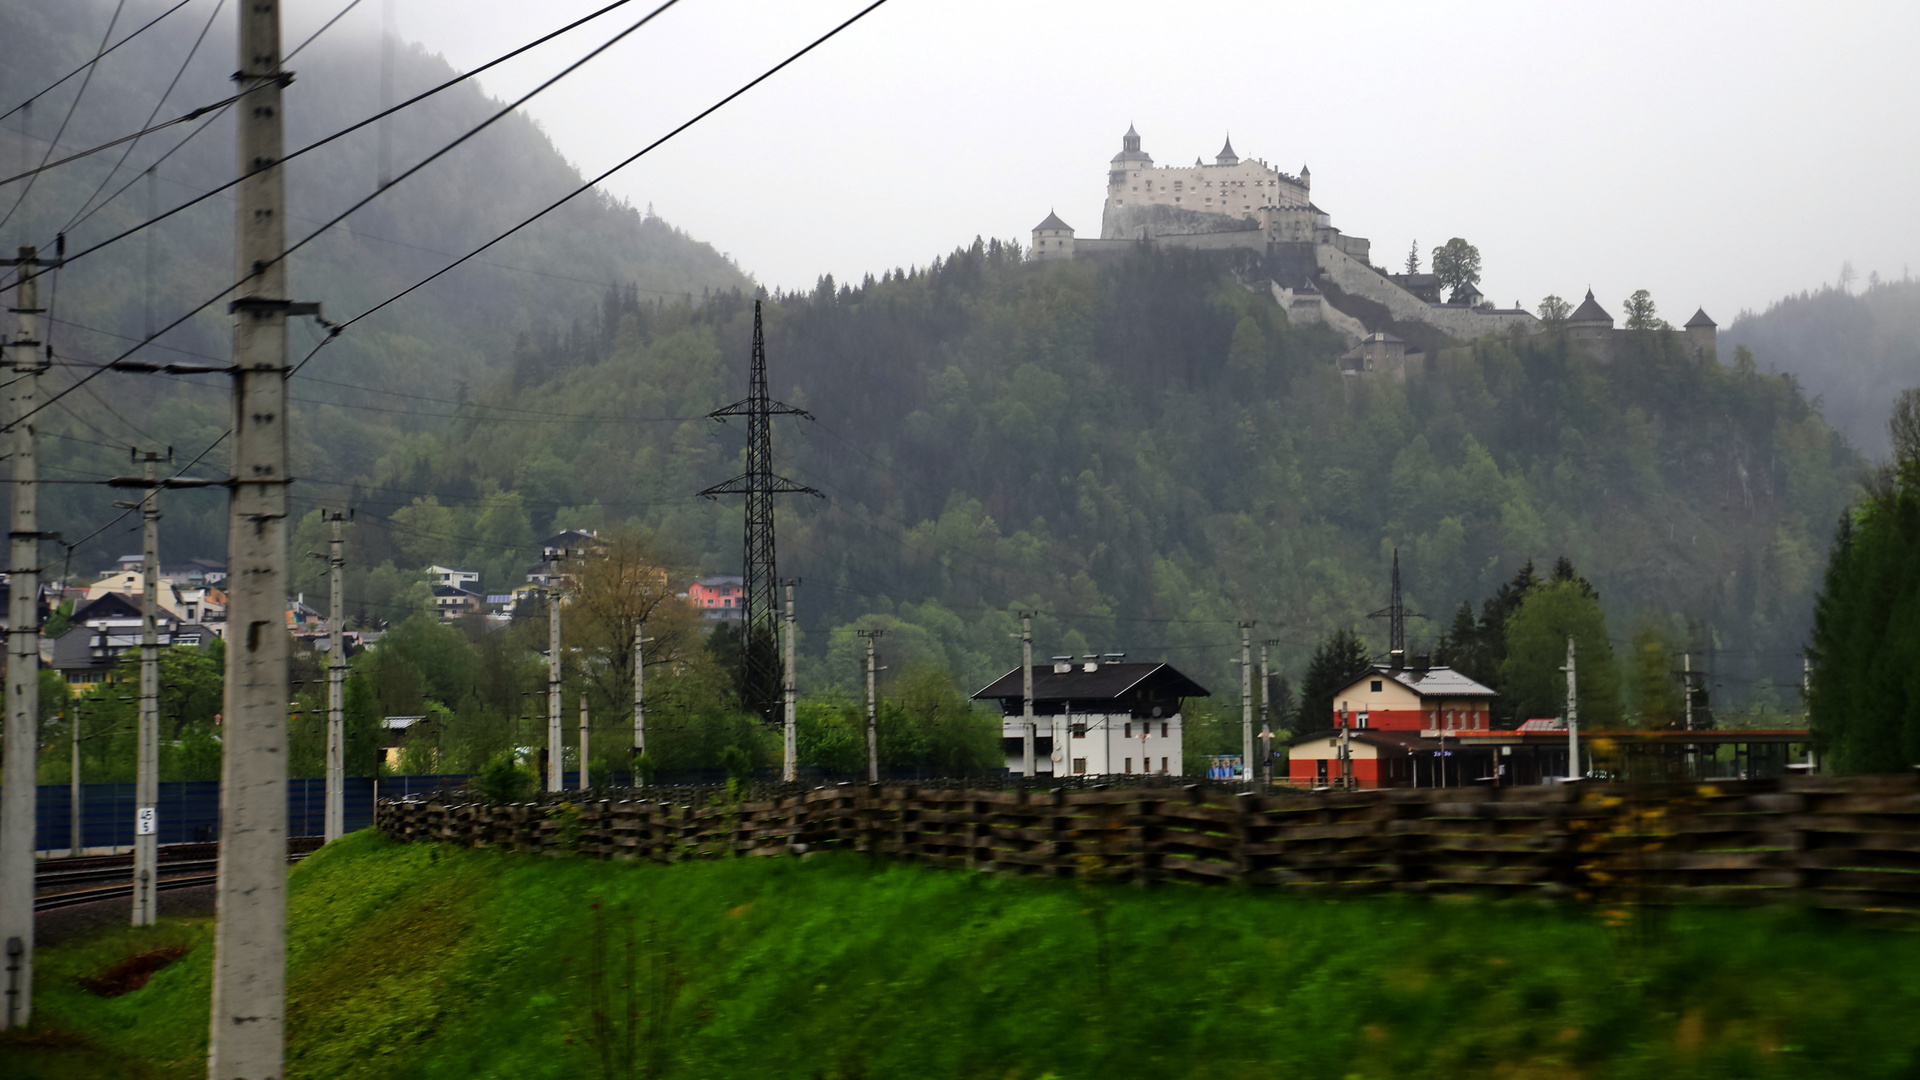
x=1096, y=717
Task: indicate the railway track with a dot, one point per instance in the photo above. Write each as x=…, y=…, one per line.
x=58, y=884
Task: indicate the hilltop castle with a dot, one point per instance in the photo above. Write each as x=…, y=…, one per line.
x=1317, y=272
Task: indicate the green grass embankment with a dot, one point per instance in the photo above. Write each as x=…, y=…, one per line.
x=432, y=962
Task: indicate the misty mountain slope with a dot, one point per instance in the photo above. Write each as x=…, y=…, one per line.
x=458, y=332
x=1147, y=453
x=1855, y=352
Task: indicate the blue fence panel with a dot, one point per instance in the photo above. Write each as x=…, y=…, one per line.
x=189, y=810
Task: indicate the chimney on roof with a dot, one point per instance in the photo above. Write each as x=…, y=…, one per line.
x=1396, y=660
x=1090, y=662
x=1062, y=665
x=1422, y=661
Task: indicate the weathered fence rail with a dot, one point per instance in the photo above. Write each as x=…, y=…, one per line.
x=1828, y=842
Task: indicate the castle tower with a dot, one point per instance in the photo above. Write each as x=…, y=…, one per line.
x=1306, y=177
x=1226, y=156
x=1591, y=326
x=1053, y=238
x=1702, y=335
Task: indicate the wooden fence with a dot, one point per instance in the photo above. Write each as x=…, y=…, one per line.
x=1849, y=842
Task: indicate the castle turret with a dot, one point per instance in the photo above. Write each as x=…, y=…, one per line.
x=1226, y=156
x=1591, y=326
x=1306, y=177
x=1702, y=335
x=1053, y=238
x=1123, y=173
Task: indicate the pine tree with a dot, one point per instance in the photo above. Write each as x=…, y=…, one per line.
x=1863, y=697
x=1340, y=658
x=1413, y=258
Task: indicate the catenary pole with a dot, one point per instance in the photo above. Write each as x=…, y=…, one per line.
x=1573, y=716
x=1027, y=765
x=146, y=777
x=873, y=726
x=1266, y=715
x=249, y=977
x=555, y=745
x=25, y=362
x=640, y=640
x=336, y=819
x=790, y=730
x=76, y=811
x=1246, y=701
x=583, y=741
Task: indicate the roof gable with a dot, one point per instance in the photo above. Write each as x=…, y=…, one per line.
x=1107, y=682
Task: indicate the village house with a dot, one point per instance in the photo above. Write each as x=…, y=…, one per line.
x=103, y=629
x=1391, y=728
x=1097, y=716
x=723, y=596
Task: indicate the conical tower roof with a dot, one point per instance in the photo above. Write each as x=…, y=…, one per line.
x=1700, y=319
x=1226, y=156
x=1053, y=222
x=1590, y=311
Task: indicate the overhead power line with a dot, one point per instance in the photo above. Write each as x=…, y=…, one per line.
x=258, y=268
x=88, y=66
x=219, y=6
x=71, y=106
x=595, y=182
x=350, y=129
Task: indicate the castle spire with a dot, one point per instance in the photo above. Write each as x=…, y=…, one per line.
x=1226, y=155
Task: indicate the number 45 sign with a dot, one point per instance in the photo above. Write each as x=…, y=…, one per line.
x=145, y=823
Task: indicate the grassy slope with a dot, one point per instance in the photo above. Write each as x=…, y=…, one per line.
x=426, y=962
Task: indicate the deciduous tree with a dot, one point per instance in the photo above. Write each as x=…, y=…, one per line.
x=1456, y=263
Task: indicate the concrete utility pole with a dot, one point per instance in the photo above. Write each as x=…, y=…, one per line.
x=1686, y=681
x=146, y=777
x=1573, y=716
x=640, y=640
x=1027, y=765
x=336, y=816
x=248, y=1013
x=1806, y=694
x=1266, y=713
x=556, y=747
x=25, y=362
x=790, y=740
x=74, y=814
x=873, y=724
x=583, y=742
x=1246, y=701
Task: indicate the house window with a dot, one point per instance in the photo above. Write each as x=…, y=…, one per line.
x=1163, y=764
x=1375, y=686
x=1128, y=733
x=1163, y=729
x=1079, y=765
x=1079, y=731
x=1129, y=764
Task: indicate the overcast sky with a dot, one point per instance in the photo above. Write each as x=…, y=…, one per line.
x=1717, y=154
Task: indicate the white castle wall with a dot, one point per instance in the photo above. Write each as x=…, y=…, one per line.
x=1356, y=278
x=1239, y=190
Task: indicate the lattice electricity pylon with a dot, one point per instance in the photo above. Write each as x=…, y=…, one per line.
x=1396, y=614
x=761, y=677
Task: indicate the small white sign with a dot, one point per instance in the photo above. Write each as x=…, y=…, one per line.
x=145, y=823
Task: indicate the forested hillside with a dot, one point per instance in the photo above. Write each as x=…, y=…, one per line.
x=396, y=373
x=1854, y=352
x=1147, y=453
